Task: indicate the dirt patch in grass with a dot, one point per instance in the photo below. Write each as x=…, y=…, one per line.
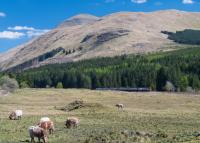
x=78, y=104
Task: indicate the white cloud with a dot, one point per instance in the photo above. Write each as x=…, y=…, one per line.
x=139, y=1
x=29, y=31
x=18, y=28
x=13, y=32
x=2, y=14
x=11, y=35
x=188, y=1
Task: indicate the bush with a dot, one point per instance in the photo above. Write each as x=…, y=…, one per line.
x=59, y=85
x=169, y=86
x=24, y=85
x=8, y=84
x=184, y=83
x=195, y=83
x=189, y=89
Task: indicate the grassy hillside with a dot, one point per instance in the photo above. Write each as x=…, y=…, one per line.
x=166, y=117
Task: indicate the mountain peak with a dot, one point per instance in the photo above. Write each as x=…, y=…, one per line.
x=83, y=16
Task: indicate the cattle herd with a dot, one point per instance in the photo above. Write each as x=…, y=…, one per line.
x=45, y=126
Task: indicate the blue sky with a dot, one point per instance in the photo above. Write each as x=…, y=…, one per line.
x=21, y=20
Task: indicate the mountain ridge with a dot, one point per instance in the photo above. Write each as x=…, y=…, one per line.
x=115, y=34
x=79, y=19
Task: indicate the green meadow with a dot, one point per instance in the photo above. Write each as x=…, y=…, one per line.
x=151, y=117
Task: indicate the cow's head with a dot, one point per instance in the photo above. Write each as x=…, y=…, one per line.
x=12, y=116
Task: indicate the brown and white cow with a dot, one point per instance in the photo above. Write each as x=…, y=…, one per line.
x=46, y=124
x=72, y=122
x=38, y=132
x=16, y=115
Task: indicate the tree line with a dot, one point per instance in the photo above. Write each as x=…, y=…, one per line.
x=172, y=71
x=187, y=36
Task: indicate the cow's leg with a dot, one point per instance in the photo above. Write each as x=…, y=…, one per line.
x=32, y=140
x=69, y=125
x=49, y=131
x=52, y=131
x=39, y=139
x=43, y=140
x=75, y=125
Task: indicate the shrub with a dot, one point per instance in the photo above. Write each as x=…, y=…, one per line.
x=23, y=84
x=184, y=83
x=196, y=82
x=169, y=86
x=59, y=85
x=8, y=84
x=189, y=89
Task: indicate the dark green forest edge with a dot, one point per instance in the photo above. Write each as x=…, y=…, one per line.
x=187, y=36
x=177, y=70
x=165, y=71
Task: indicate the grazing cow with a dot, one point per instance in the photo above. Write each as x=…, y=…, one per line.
x=120, y=106
x=16, y=115
x=47, y=126
x=72, y=122
x=36, y=131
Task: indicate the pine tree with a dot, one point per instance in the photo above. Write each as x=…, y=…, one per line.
x=161, y=79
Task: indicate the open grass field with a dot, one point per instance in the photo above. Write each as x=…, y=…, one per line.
x=157, y=117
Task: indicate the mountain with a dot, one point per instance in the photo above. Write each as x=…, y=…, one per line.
x=86, y=36
x=82, y=19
